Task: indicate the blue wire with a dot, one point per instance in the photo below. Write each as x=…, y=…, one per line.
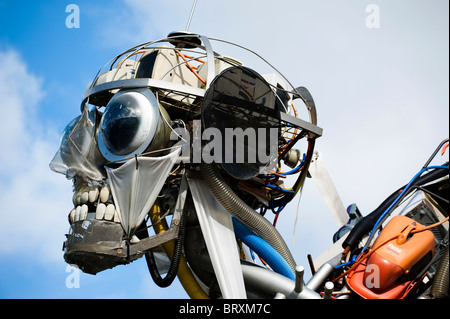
x=344, y=264
x=293, y=171
x=398, y=198
x=273, y=208
x=280, y=209
x=252, y=254
x=279, y=188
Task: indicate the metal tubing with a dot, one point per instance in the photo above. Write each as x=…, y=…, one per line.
x=299, y=271
x=244, y=213
x=329, y=286
x=319, y=277
x=190, y=16
x=274, y=283
x=322, y=274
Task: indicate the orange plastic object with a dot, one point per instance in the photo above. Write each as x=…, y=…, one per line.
x=444, y=148
x=384, y=275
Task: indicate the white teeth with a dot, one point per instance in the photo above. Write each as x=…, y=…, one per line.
x=109, y=212
x=72, y=216
x=84, y=195
x=81, y=196
x=83, y=212
x=104, y=194
x=116, y=216
x=77, y=213
x=77, y=198
x=101, y=199
x=93, y=194
x=100, y=212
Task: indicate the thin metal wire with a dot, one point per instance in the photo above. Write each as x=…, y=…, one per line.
x=190, y=16
x=265, y=61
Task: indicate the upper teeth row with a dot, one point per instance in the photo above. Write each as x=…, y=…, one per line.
x=86, y=194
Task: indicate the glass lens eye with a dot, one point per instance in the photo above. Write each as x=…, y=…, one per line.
x=128, y=124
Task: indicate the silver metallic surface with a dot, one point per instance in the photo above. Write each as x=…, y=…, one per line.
x=299, y=271
x=126, y=105
x=210, y=59
x=274, y=283
x=321, y=275
x=328, y=291
x=142, y=83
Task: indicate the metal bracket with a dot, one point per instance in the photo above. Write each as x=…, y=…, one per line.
x=303, y=93
x=315, y=130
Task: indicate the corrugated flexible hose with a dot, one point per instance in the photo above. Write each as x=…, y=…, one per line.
x=244, y=213
x=439, y=288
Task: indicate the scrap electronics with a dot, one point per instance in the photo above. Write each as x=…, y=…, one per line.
x=182, y=155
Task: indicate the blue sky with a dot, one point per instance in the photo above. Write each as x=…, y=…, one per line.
x=381, y=94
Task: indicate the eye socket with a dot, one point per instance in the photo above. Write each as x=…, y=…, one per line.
x=128, y=125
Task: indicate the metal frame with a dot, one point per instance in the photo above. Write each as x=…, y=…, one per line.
x=299, y=92
x=142, y=83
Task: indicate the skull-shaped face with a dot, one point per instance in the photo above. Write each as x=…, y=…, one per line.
x=168, y=122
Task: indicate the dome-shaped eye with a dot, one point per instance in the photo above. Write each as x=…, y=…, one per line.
x=128, y=125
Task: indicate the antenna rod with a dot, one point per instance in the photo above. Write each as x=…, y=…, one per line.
x=190, y=16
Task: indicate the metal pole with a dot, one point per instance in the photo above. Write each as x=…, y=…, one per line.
x=329, y=286
x=190, y=16
x=320, y=276
x=299, y=270
x=274, y=283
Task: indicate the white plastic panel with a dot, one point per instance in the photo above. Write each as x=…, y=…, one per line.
x=218, y=232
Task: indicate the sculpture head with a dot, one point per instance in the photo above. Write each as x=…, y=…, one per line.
x=167, y=112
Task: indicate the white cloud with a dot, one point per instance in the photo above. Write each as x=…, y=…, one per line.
x=35, y=201
x=145, y=21
x=19, y=93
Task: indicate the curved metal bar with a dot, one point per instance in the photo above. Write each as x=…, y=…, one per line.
x=143, y=83
x=210, y=58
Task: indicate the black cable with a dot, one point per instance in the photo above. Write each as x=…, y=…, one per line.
x=302, y=176
x=435, y=152
x=174, y=264
x=436, y=196
x=367, y=222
